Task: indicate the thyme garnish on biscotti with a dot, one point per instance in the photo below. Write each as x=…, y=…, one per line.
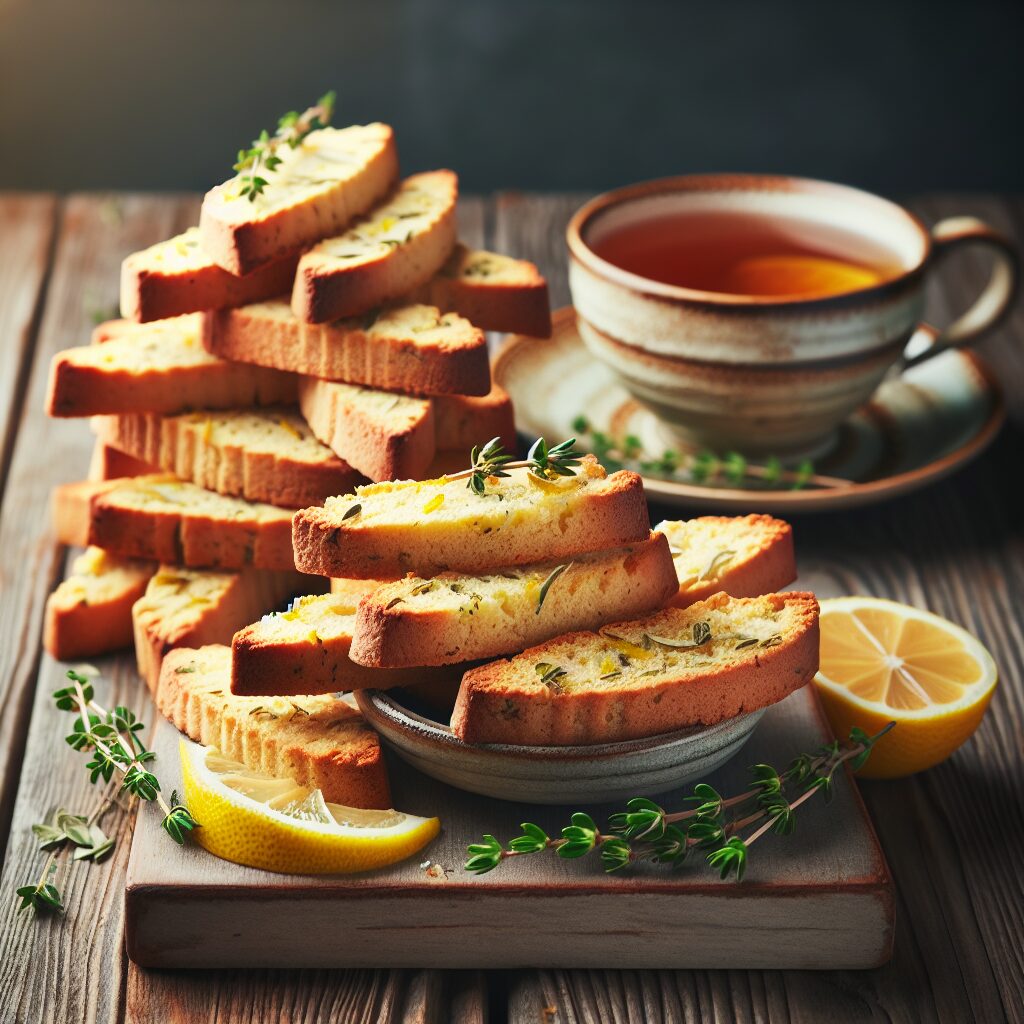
x=112, y=737
x=722, y=828
x=261, y=156
x=543, y=462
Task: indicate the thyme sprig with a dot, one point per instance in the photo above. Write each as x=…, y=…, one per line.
x=703, y=467
x=491, y=462
x=261, y=157
x=118, y=759
x=716, y=825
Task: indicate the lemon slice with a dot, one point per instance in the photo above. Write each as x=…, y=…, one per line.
x=261, y=821
x=882, y=661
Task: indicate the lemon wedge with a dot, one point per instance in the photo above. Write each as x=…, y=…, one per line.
x=255, y=819
x=882, y=661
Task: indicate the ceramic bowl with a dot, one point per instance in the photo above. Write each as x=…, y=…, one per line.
x=553, y=775
x=767, y=374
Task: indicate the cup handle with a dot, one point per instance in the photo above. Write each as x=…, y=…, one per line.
x=988, y=308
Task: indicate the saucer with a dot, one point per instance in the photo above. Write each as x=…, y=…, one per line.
x=596, y=772
x=916, y=429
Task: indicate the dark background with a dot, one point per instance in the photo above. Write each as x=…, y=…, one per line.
x=563, y=94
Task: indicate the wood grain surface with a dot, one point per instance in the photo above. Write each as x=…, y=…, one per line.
x=951, y=836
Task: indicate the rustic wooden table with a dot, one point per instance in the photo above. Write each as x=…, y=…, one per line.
x=950, y=834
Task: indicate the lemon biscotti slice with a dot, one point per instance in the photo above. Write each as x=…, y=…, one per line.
x=743, y=555
x=453, y=618
x=261, y=454
x=320, y=742
x=90, y=613
x=306, y=650
x=193, y=607
x=158, y=367
x=494, y=292
x=177, y=276
x=436, y=526
x=168, y=520
x=694, y=666
x=414, y=349
x=330, y=177
x=400, y=245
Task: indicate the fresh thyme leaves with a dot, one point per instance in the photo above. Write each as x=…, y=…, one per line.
x=549, y=674
x=112, y=740
x=716, y=825
x=703, y=467
x=261, y=157
x=352, y=511
x=701, y=635
x=546, y=585
x=543, y=462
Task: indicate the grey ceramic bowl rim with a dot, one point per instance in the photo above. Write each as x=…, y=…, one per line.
x=380, y=705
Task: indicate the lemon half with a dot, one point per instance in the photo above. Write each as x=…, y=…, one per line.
x=255, y=819
x=882, y=661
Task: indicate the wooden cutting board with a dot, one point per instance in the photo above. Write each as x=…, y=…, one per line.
x=820, y=898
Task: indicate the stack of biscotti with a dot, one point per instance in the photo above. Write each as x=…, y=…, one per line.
x=304, y=338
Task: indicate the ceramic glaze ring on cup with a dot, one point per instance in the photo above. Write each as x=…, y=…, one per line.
x=767, y=373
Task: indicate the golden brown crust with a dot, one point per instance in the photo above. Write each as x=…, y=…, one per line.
x=188, y=446
x=495, y=707
x=766, y=570
x=181, y=533
x=329, y=288
x=392, y=353
x=385, y=436
x=461, y=421
x=608, y=516
x=152, y=291
x=242, y=245
x=395, y=629
x=317, y=741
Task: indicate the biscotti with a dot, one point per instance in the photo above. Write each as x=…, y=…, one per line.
x=453, y=617
x=306, y=650
x=384, y=435
x=460, y=421
x=497, y=293
x=436, y=526
x=413, y=349
x=169, y=520
x=90, y=613
x=332, y=176
x=745, y=556
x=261, y=454
x=177, y=276
x=678, y=667
x=159, y=367
x=400, y=245
x=194, y=607
x=320, y=742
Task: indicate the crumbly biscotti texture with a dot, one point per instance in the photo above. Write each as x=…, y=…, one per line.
x=331, y=177
x=177, y=276
x=260, y=454
x=678, y=667
x=108, y=463
x=90, y=613
x=494, y=292
x=384, y=435
x=745, y=556
x=158, y=367
x=194, y=607
x=462, y=421
x=413, y=349
x=400, y=245
x=170, y=520
x=306, y=650
x=320, y=742
x=436, y=526
x=454, y=617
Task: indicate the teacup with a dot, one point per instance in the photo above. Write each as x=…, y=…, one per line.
x=770, y=374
